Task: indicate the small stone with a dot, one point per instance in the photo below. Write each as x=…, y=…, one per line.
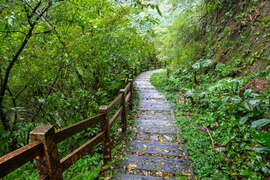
x=154, y=138
x=168, y=138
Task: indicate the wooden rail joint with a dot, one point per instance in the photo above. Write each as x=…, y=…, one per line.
x=123, y=113
x=48, y=162
x=106, y=140
x=131, y=94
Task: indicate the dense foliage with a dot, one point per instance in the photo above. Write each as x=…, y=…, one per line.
x=218, y=78
x=60, y=60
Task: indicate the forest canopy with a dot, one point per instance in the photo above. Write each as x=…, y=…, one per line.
x=61, y=59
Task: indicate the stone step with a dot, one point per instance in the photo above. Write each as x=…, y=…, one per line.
x=143, y=80
x=154, y=102
x=148, y=114
x=144, y=95
x=157, y=99
x=148, y=91
x=144, y=86
x=147, y=104
x=165, y=165
x=171, y=149
x=157, y=130
x=134, y=177
x=154, y=122
x=170, y=138
x=154, y=108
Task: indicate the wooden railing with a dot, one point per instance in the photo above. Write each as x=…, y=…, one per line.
x=45, y=138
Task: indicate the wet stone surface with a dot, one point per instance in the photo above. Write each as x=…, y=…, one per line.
x=155, y=105
x=156, y=137
x=157, y=152
x=171, y=149
x=134, y=177
x=156, y=130
x=159, y=164
x=153, y=122
x=158, y=115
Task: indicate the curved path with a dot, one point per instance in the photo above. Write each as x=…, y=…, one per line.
x=156, y=151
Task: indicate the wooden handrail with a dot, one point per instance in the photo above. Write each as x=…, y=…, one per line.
x=114, y=102
x=44, y=140
x=115, y=116
x=127, y=88
x=71, y=158
x=19, y=157
x=71, y=130
x=127, y=99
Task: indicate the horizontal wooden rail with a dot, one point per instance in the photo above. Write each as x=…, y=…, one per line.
x=69, y=131
x=115, y=116
x=114, y=102
x=128, y=97
x=127, y=88
x=45, y=139
x=70, y=159
x=19, y=157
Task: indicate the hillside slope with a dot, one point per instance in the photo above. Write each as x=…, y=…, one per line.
x=217, y=56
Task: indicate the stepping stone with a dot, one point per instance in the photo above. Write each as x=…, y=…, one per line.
x=145, y=115
x=143, y=95
x=154, y=108
x=153, y=122
x=156, y=137
x=157, y=99
x=171, y=149
x=153, y=163
x=134, y=177
x=157, y=130
x=147, y=102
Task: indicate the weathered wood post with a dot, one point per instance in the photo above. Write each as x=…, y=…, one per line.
x=49, y=163
x=123, y=113
x=131, y=94
x=106, y=141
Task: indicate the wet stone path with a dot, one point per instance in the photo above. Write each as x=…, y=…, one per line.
x=156, y=151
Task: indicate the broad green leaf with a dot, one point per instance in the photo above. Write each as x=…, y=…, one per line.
x=263, y=150
x=196, y=66
x=260, y=123
x=243, y=120
x=263, y=138
x=206, y=63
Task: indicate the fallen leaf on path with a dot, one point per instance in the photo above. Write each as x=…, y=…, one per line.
x=159, y=174
x=132, y=166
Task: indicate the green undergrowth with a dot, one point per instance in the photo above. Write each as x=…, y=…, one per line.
x=217, y=60
x=222, y=123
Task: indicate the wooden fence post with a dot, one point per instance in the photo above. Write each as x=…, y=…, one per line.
x=106, y=141
x=49, y=163
x=123, y=114
x=131, y=94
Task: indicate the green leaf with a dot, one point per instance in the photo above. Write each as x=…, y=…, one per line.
x=243, y=120
x=260, y=123
x=196, y=66
x=248, y=106
x=263, y=138
x=206, y=62
x=158, y=10
x=263, y=149
x=227, y=140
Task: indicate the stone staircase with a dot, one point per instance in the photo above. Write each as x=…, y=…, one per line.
x=156, y=151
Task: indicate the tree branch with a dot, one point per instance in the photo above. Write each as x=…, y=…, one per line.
x=15, y=59
x=12, y=31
